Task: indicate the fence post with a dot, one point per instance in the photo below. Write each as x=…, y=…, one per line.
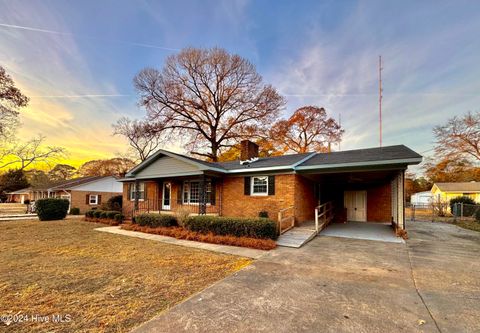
x=316, y=220
x=461, y=211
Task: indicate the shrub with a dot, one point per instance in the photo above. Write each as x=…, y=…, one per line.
x=234, y=226
x=89, y=213
x=111, y=214
x=181, y=233
x=97, y=213
x=155, y=220
x=52, y=209
x=115, y=203
x=119, y=217
x=468, y=208
x=74, y=211
x=263, y=214
x=182, y=213
x=104, y=214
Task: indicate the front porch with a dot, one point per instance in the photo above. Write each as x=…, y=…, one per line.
x=199, y=195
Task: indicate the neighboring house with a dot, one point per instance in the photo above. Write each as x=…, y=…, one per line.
x=444, y=192
x=421, y=198
x=363, y=185
x=84, y=193
x=19, y=196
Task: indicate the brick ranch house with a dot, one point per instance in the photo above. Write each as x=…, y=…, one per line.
x=84, y=193
x=362, y=185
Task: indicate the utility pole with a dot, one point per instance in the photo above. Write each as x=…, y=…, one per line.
x=380, y=96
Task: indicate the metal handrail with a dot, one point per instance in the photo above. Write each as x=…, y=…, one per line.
x=324, y=212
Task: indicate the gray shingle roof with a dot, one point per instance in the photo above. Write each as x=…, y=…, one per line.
x=265, y=162
x=399, y=152
x=459, y=187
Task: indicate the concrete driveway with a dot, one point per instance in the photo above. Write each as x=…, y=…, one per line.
x=345, y=285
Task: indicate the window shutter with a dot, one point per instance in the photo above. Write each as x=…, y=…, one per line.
x=246, y=187
x=87, y=199
x=213, y=192
x=99, y=201
x=271, y=185
x=179, y=193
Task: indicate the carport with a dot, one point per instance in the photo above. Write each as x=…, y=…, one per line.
x=363, y=230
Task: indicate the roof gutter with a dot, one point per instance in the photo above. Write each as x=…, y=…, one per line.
x=415, y=160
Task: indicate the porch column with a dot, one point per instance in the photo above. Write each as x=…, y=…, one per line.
x=137, y=193
x=202, y=205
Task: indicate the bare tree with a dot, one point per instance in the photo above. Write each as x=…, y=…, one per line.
x=308, y=129
x=459, y=138
x=11, y=99
x=143, y=141
x=29, y=153
x=208, y=96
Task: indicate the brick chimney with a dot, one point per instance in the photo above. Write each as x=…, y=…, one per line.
x=249, y=150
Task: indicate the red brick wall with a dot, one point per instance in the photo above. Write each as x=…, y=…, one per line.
x=379, y=204
x=236, y=203
x=305, y=200
x=78, y=199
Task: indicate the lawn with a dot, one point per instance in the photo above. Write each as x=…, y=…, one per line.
x=468, y=224
x=103, y=282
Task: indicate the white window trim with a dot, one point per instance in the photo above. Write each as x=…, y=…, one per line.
x=90, y=196
x=187, y=202
x=132, y=193
x=263, y=194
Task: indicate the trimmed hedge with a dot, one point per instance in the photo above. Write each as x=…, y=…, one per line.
x=74, y=211
x=52, y=209
x=97, y=214
x=119, y=217
x=234, y=226
x=155, y=220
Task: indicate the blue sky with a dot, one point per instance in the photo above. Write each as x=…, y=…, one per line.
x=76, y=60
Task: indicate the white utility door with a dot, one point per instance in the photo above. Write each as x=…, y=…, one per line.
x=166, y=197
x=356, y=204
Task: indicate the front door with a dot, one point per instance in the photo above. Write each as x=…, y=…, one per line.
x=356, y=204
x=166, y=195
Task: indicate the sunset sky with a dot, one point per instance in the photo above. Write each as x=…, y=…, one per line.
x=76, y=61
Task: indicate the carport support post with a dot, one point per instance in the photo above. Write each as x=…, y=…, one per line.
x=401, y=200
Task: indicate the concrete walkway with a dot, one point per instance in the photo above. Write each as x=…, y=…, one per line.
x=345, y=285
x=235, y=250
x=362, y=230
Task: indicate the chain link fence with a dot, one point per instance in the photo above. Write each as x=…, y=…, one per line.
x=442, y=211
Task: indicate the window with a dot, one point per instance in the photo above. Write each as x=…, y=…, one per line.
x=259, y=185
x=141, y=192
x=191, y=192
x=93, y=199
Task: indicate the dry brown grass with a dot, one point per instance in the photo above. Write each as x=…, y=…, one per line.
x=181, y=233
x=105, y=282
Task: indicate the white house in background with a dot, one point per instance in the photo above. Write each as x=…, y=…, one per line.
x=84, y=193
x=421, y=198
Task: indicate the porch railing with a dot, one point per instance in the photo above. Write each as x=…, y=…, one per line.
x=286, y=219
x=155, y=206
x=323, y=216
